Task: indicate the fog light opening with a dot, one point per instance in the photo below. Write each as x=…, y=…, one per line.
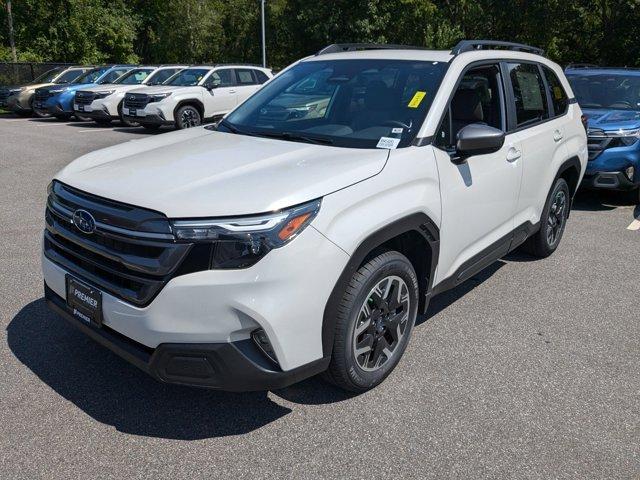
x=629, y=172
x=260, y=338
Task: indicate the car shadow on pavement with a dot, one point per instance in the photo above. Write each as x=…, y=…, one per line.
x=600, y=200
x=116, y=393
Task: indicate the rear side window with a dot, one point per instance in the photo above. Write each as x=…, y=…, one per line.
x=559, y=98
x=261, y=76
x=529, y=94
x=245, y=77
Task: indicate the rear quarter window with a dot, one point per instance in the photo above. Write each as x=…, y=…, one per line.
x=529, y=94
x=559, y=98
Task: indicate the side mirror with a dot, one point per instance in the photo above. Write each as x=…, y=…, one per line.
x=478, y=139
x=211, y=87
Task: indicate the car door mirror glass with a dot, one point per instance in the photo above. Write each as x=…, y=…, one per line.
x=478, y=139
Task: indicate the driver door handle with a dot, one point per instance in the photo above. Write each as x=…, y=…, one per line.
x=557, y=136
x=513, y=154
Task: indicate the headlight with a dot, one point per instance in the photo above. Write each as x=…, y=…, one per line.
x=240, y=242
x=626, y=137
x=103, y=93
x=156, y=97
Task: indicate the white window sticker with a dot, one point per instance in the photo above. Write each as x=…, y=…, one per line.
x=389, y=143
x=397, y=130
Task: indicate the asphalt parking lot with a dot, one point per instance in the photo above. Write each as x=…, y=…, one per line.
x=528, y=370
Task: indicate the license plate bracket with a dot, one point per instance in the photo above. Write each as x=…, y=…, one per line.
x=84, y=301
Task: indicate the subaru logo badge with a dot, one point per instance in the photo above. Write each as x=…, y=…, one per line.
x=84, y=221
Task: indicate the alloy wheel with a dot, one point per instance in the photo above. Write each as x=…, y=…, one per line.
x=381, y=323
x=556, y=218
x=190, y=118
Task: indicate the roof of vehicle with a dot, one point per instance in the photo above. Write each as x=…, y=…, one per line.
x=408, y=52
x=592, y=70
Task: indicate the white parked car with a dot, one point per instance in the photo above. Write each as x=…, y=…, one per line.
x=305, y=232
x=103, y=103
x=193, y=96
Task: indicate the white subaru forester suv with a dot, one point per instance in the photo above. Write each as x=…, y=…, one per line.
x=193, y=96
x=305, y=232
x=103, y=103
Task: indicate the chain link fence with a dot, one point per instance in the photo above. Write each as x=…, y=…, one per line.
x=24, y=72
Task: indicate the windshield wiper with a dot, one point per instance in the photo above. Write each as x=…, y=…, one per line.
x=295, y=137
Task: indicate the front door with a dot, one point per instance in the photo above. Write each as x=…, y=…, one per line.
x=479, y=196
x=221, y=95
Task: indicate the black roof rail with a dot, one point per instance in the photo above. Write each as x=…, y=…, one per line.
x=354, y=47
x=471, y=45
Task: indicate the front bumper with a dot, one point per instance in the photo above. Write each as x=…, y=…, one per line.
x=232, y=366
x=19, y=103
x=151, y=119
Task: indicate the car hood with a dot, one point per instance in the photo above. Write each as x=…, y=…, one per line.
x=613, y=119
x=164, y=89
x=203, y=173
x=112, y=86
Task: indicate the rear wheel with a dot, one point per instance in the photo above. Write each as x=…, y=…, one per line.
x=374, y=324
x=552, y=222
x=188, y=116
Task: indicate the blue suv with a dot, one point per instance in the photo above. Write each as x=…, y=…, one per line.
x=610, y=99
x=57, y=100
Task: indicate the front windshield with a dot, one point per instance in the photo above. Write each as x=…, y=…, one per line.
x=606, y=90
x=134, y=77
x=346, y=103
x=69, y=76
x=91, y=76
x=48, y=76
x=188, y=77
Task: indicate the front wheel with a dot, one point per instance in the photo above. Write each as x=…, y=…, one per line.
x=188, y=116
x=374, y=322
x=552, y=222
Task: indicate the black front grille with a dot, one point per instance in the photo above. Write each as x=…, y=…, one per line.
x=136, y=100
x=131, y=253
x=84, y=98
x=42, y=94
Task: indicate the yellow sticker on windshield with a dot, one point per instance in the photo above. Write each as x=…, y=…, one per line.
x=417, y=99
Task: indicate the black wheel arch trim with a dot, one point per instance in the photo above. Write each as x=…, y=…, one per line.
x=192, y=102
x=417, y=222
x=573, y=162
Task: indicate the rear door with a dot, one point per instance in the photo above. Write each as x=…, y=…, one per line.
x=479, y=195
x=247, y=83
x=221, y=95
x=542, y=133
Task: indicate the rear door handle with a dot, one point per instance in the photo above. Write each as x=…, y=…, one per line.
x=513, y=154
x=557, y=136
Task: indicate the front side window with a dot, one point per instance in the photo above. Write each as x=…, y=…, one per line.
x=346, y=103
x=478, y=99
x=607, y=90
x=134, y=77
x=69, y=76
x=529, y=94
x=161, y=76
x=559, y=98
x=220, y=78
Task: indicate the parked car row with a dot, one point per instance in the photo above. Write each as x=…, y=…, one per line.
x=150, y=96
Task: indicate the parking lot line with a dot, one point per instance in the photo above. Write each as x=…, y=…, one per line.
x=95, y=130
x=634, y=226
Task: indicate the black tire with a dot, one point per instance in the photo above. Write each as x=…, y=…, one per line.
x=36, y=113
x=63, y=117
x=152, y=127
x=187, y=116
x=552, y=222
x=82, y=118
x=359, y=373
